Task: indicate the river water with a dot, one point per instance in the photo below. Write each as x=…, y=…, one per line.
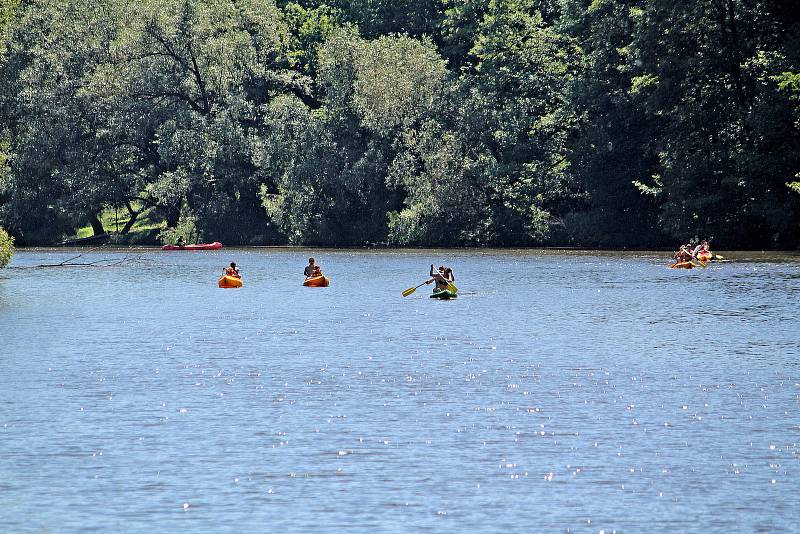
x=562, y=391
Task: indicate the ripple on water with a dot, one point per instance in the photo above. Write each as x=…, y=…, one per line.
x=564, y=390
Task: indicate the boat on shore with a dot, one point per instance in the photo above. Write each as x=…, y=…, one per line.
x=216, y=245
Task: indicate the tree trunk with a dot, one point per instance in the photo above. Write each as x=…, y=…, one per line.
x=97, y=226
x=131, y=221
x=173, y=215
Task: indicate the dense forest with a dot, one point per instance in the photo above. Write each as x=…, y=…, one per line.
x=593, y=123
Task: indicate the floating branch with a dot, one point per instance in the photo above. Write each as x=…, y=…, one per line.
x=106, y=262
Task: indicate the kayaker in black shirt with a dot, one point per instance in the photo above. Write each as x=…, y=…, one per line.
x=309, y=270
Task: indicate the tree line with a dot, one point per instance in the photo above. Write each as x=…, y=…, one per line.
x=594, y=123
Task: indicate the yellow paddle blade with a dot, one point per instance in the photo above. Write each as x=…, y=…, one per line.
x=703, y=264
x=408, y=291
x=718, y=257
x=451, y=286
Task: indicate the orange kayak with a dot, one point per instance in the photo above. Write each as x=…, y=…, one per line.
x=704, y=256
x=230, y=281
x=682, y=265
x=317, y=281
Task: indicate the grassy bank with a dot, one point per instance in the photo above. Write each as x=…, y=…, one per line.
x=144, y=231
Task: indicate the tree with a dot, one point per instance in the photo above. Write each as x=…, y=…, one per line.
x=615, y=144
x=333, y=163
x=6, y=247
x=706, y=72
x=509, y=127
x=52, y=124
x=194, y=78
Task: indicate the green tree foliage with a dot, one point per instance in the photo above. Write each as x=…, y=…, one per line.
x=192, y=78
x=606, y=123
x=334, y=190
x=505, y=149
x=789, y=82
x=706, y=72
x=57, y=172
x=8, y=11
x=375, y=18
x=6, y=248
x=614, y=147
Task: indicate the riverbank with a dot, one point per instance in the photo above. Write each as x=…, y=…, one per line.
x=730, y=255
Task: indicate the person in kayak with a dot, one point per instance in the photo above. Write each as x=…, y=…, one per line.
x=316, y=272
x=702, y=247
x=180, y=242
x=441, y=277
x=682, y=255
x=309, y=270
x=231, y=271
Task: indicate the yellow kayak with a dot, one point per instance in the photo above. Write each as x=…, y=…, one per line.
x=230, y=281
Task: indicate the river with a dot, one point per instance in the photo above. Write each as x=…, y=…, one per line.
x=562, y=391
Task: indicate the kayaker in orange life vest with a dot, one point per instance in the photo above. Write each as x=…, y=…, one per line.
x=682, y=255
x=701, y=248
x=231, y=271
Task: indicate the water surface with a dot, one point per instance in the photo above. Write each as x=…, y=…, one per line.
x=560, y=391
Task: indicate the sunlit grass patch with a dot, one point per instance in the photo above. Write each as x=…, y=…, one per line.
x=114, y=221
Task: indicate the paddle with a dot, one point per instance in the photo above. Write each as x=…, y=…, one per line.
x=410, y=290
x=450, y=287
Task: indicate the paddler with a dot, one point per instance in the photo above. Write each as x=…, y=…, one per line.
x=702, y=247
x=442, y=276
x=231, y=271
x=181, y=242
x=310, y=268
x=682, y=255
x=448, y=273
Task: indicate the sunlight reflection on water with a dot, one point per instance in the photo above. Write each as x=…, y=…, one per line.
x=559, y=391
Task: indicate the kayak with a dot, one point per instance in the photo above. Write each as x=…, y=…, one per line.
x=197, y=246
x=682, y=265
x=704, y=256
x=317, y=281
x=230, y=281
x=444, y=294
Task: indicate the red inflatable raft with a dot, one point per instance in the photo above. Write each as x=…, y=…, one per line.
x=198, y=246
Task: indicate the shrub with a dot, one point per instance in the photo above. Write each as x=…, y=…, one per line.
x=6, y=247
